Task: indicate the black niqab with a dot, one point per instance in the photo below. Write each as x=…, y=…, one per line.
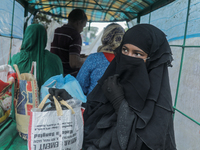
x=146, y=114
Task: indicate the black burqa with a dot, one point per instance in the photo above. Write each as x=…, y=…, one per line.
x=145, y=116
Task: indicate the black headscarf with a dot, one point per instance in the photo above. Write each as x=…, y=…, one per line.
x=145, y=116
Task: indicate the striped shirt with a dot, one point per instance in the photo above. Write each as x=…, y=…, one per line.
x=66, y=41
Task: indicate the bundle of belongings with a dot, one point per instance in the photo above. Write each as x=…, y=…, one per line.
x=7, y=78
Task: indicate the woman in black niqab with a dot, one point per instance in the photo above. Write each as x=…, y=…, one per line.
x=143, y=119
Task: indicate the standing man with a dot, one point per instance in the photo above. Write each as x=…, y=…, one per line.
x=67, y=42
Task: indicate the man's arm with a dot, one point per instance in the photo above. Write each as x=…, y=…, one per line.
x=75, y=61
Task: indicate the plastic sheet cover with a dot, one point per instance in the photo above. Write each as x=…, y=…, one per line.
x=18, y=24
x=97, y=11
x=171, y=19
x=6, y=12
x=6, y=8
x=5, y=48
x=193, y=30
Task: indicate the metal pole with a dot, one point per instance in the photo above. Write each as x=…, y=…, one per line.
x=25, y=15
x=89, y=26
x=13, y=10
x=127, y=24
x=150, y=15
x=138, y=19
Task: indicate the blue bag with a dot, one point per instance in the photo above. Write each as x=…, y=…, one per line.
x=69, y=83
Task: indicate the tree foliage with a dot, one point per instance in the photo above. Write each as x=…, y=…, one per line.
x=44, y=19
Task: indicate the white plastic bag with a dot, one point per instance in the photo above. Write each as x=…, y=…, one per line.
x=4, y=70
x=55, y=130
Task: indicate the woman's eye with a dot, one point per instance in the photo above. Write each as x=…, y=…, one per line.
x=138, y=54
x=125, y=50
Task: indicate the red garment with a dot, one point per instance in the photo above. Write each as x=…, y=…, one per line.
x=4, y=86
x=109, y=56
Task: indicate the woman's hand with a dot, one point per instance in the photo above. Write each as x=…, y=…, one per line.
x=113, y=91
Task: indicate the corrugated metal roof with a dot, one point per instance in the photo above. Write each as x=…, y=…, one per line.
x=97, y=10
